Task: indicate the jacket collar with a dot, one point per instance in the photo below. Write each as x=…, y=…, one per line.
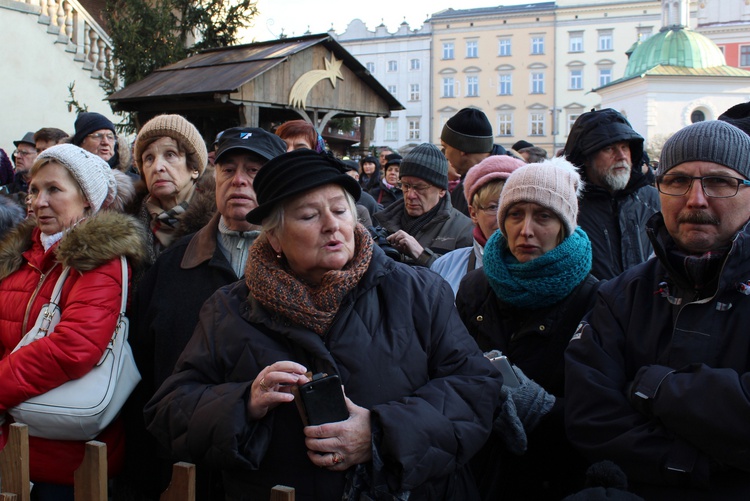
x=202, y=246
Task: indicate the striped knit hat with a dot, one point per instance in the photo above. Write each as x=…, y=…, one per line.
x=426, y=162
x=710, y=141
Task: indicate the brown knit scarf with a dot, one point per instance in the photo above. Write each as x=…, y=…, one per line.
x=275, y=286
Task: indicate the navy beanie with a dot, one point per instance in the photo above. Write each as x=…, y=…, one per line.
x=469, y=131
x=88, y=122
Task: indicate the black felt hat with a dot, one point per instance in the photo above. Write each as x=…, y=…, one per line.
x=294, y=173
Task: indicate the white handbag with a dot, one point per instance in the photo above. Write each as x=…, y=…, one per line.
x=81, y=408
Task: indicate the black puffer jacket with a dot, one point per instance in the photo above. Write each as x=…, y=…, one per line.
x=401, y=351
x=615, y=223
x=535, y=341
x=689, y=356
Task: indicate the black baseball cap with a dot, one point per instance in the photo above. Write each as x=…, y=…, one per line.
x=253, y=139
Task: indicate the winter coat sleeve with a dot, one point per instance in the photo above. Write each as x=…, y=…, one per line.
x=602, y=422
x=90, y=310
x=444, y=422
x=200, y=413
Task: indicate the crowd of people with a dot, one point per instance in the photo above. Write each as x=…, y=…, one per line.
x=271, y=281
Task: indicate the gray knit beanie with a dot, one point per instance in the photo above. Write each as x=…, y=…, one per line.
x=469, y=131
x=426, y=162
x=710, y=141
x=92, y=174
x=554, y=184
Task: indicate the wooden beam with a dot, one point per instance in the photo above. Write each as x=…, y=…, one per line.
x=282, y=493
x=14, y=463
x=90, y=478
x=182, y=485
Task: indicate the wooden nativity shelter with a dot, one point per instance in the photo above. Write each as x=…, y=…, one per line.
x=263, y=85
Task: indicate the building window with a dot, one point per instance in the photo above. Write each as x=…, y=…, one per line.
x=392, y=65
x=392, y=89
x=414, y=92
x=537, y=124
x=414, y=129
x=504, y=124
x=506, y=85
x=447, y=50
x=472, y=48
x=576, y=79
x=697, y=116
x=371, y=67
x=503, y=47
x=415, y=64
x=537, y=83
x=644, y=32
x=605, y=76
x=391, y=129
x=576, y=42
x=448, y=87
x=572, y=117
x=472, y=86
x=605, y=40
x=537, y=45
x=745, y=55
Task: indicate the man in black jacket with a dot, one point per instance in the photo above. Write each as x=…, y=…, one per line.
x=466, y=140
x=617, y=199
x=657, y=374
x=172, y=292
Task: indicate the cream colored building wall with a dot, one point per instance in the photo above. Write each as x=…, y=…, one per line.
x=657, y=107
x=487, y=32
x=36, y=75
x=624, y=21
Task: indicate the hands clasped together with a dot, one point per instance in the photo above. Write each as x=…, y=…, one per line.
x=335, y=446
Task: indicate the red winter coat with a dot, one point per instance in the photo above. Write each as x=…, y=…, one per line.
x=90, y=305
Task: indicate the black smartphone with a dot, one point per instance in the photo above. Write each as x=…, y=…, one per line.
x=322, y=401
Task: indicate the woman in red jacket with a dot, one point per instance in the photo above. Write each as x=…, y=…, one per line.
x=69, y=188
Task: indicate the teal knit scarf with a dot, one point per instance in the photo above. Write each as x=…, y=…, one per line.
x=540, y=282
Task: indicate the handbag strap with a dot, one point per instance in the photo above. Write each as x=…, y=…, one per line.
x=124, y=302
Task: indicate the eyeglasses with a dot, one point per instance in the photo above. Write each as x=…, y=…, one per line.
x=98, y=136
x=677, y=185
x=24, y=153
x=490, y=209
x=420, y=189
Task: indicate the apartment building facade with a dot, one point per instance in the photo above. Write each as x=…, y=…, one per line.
x=401, y=62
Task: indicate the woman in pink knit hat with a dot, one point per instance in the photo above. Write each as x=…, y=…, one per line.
x=482, y=188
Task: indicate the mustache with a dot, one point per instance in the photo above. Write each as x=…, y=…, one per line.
x=698, y=217
x=622, y=163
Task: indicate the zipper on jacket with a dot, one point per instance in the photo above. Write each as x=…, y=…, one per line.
x=42, y=277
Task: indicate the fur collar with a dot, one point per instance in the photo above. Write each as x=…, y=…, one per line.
x=88, y=245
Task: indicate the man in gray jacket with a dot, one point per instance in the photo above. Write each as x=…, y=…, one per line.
x=424, y=225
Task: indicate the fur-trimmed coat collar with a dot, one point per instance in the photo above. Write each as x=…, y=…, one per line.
x=88, y=245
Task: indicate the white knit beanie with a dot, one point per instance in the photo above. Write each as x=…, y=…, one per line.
x=554, y=184
x=93, y=174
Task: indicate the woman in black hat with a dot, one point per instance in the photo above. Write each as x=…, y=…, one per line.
x=320, y=297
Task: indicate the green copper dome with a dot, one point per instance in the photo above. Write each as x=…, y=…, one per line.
x=675, y=46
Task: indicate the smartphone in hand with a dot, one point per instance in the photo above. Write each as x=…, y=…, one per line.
x=502, y=364
x=321, y=400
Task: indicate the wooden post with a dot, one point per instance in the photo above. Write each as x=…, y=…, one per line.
x=182, y=485
x=7, y=497
x=91, y=477
x=14, y=463
x=282, y=493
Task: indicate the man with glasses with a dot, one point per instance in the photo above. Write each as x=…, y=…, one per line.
x=617, y=199
x=424, y=225
x=96, y=133
x=658, y=373
x=23, y=158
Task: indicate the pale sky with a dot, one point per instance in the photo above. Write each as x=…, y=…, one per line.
x=296, y=16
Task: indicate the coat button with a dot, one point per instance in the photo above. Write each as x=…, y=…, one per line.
x=541, y=327
x=480, y=318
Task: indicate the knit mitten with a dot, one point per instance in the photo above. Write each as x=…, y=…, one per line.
x=508, y=427
x=531, y=400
